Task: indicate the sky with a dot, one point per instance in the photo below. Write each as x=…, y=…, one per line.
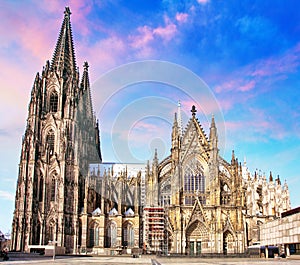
x=236, y=60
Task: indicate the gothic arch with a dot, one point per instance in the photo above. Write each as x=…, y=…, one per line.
x=53, y=99
x=111, y=234
x=193, y=180
x=94, y=230
x=229, y=242
x=197, y=237
x=127, y=234
x=226, y=195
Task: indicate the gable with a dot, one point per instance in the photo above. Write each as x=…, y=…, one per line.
x=194, y=141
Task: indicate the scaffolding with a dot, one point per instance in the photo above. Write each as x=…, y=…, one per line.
x=154, y=226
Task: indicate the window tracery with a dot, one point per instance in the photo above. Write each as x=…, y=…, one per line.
x=194, y=182
x=50, y=142
x=53, y=104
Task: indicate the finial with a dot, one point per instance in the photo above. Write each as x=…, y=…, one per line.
x=278, y=180
x=85, y=66
x=155, y=153
x=271, y=177
x=213, y=124
x=67, y=11
x=232, y=156
x=175, y=116
x=193, y=110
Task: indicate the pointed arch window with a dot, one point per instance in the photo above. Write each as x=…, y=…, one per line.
x=128, y=235
x=112, y=235
x=225, y=194
x=50, y=141
x=194, y=183
x=53, y=104
x=94, y=235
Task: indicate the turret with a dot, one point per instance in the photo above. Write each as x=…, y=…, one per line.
x=175, y=140
x=213, y=139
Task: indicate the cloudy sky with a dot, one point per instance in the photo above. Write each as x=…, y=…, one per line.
x=237, y=60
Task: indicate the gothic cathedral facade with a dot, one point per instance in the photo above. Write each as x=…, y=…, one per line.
x=67, y=195
x=61, y=139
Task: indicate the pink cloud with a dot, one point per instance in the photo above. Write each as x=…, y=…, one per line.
x=248, y=86
x=202, y=2
x=167, y=32
x=103, y=55
x=257, y=126
x=144, y=36
x=264, y=71
x=181, y=17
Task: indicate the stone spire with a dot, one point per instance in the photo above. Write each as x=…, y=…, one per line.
x=179, y=120
x=85, y=89
x=213, y=130
x=175, y=139
x=63, y=61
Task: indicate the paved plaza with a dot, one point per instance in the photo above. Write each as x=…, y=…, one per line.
x=19, y=258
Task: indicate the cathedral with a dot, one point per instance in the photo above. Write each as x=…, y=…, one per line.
x=192, y=202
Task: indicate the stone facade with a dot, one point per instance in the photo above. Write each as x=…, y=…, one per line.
x=60, y=141
x=112, y=211
x=210, y=206
x=67, y=196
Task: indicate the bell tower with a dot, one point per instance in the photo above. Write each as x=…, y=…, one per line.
x=61, y=139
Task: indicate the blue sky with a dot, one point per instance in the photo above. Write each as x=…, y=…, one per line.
x=247, y=54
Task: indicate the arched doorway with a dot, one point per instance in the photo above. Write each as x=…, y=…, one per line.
x=197, y=238
x=228, y=243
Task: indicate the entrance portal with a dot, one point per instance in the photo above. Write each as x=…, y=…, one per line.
x=197, y=238
x=228, y=243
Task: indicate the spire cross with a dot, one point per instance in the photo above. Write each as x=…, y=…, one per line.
x=193, y=110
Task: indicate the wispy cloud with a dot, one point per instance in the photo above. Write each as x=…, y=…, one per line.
x=181, y=17
x=202, y=2
x=7, y=195
x=267, y=70
x=259, y=126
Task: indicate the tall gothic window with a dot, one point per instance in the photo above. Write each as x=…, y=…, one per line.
x=50, y=141
x=52, y=191
x=194, y=182
x=53, y=102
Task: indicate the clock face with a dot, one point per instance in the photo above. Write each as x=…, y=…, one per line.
x=224, y=171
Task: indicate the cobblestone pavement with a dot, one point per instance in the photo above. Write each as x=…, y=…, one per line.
x=19, y=258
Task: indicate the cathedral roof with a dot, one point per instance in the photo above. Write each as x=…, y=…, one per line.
x=113, y=211
x=96, y=212
x=129, y=212
x=64, y=57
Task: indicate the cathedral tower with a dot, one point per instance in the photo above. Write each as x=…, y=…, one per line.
x=61, y=140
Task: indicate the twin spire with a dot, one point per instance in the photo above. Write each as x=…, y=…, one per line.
x=63, y=60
